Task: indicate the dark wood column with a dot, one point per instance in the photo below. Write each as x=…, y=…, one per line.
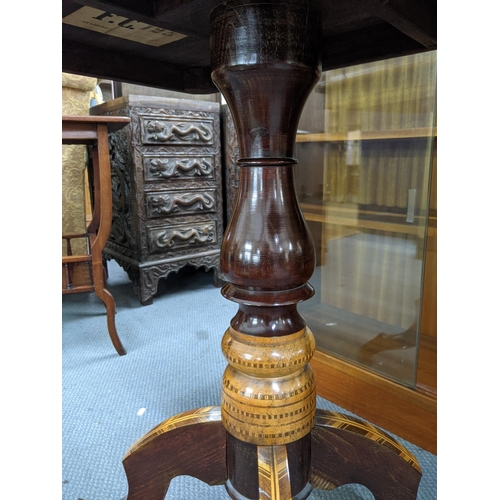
x=265, y=60
x=267, y=441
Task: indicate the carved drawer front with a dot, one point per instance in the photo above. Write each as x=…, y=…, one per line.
x=175, y=167
x=164, y=239
x=174, y=203
x=171, y=130
x=167, y=187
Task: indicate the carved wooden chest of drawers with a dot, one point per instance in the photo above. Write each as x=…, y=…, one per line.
x=167, y=188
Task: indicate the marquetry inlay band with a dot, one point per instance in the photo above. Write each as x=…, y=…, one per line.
x=206, y=414
x=268, y=356
x=268, y=389
x=337, y=420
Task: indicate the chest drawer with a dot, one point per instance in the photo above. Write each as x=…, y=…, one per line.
x=174, y=203
x=171, y=238
x=177, y=168
x=167, y=188
x=176, y=131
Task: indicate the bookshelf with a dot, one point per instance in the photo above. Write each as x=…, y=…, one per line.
x=371, y=135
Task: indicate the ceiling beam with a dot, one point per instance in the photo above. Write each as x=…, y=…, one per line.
x=417, y=19
x=83, y=59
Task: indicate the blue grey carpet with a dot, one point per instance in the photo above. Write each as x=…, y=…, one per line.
x=173, y=364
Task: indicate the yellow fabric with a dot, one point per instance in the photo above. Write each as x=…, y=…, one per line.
x=79, y=82
x=76, y=92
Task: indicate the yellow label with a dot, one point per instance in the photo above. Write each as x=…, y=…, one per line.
x=121, y=27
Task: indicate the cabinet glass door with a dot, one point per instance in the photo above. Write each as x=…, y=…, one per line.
x=366, y=151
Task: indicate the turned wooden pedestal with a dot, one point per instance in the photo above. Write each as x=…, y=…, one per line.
x=267, y=440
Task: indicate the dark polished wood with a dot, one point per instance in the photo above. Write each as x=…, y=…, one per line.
x=86, y=273
x=167, y=188
x=353, y=31
x=265, y=56
x=266, y=60
x=339, y=444
x=192, y=443
x=267, y=254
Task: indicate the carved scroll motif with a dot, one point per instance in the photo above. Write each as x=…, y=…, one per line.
x=121, y=228
x=147, y=285
x=172, y=168
x=164, y=239
x=160, y=205
x=157, y=131
x=232, y=155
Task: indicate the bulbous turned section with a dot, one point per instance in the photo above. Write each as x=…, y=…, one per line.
x=268, y=357
x=266, y=60
x=268, y=395
x=267, y=245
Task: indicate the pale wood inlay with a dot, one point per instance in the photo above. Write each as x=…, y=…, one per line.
x=268, y=389
x=260, y=356
x=274, y=478
x=192, y=417
x=337, y=420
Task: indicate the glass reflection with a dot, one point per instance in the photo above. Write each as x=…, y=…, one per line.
x=365, y=148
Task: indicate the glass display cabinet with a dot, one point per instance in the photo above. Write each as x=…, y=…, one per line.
x=366, y=149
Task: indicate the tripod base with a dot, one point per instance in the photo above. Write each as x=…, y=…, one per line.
x=344, y=450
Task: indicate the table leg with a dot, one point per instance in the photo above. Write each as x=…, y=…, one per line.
x=266, y=60
x=99, y=229
x=192, y=443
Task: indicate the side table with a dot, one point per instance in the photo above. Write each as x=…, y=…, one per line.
x=85, y=273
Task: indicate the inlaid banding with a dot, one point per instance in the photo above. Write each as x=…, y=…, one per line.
x=268, y=356
x=269, y=418
x=268, y=411
x=267, y=436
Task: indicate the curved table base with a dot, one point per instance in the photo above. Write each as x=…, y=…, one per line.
x=344, y=450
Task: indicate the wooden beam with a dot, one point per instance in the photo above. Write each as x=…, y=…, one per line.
x=416, y=19
x=372, y=43
x=83, y=59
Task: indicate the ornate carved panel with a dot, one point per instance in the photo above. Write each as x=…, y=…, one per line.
x=163, y=167
x=167, y=188
x=121, y=185
x=232, y=154
x=180, y=203
x=174, y=237
x=175, y=130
